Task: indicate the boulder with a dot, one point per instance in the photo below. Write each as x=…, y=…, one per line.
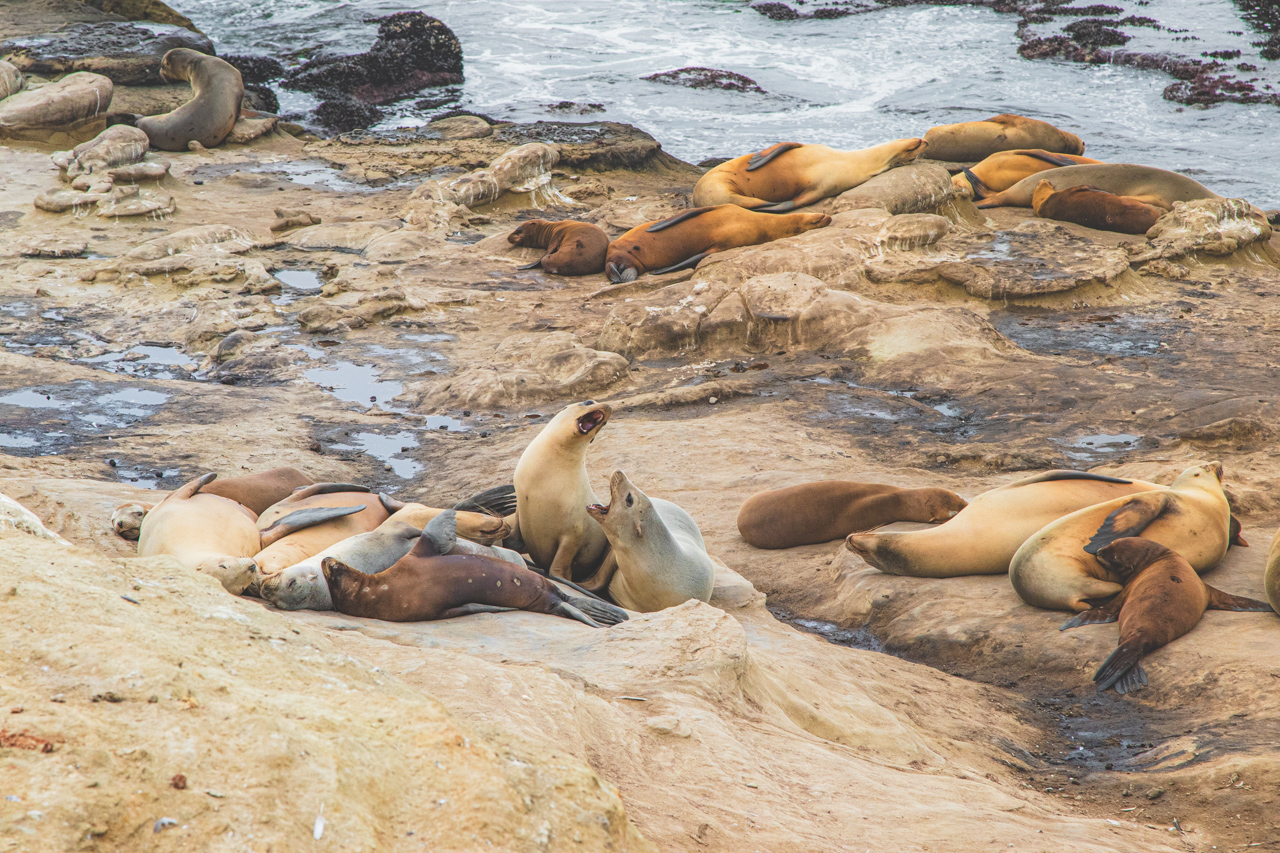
x=153, y=11
x=64, y=105
x=1211, y=226
x=11, y=79
x=342, y=236
x=521, y=167
x=128, y=53
x=706, y=78
x=119, y=145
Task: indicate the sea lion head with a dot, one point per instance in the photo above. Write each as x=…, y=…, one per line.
x=622, y=262
x=1205, y=475
x=1127, y=557
x=910, y=150
x=235, y=573
x=1074, y=143
x=1043, y=190
x=295, y=588
x=529, y=234
x=578, y=424
x=943, y=504
x=628, y=508
x=126, y=519
x=176, y=64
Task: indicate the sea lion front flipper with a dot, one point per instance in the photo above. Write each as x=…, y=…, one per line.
x=439, y=537
x=602, y=612
x=1133, y=680
x=1125, y=663
x=568, y=611
x=191, y=489
x=531, y=266
x=565, y=583
x=766, y=156
x=472, y=610
x=780, y=207
x=304, y=518
x=677, y=219
x=326, y=489
x=1234, y=531
x=683, y=265
x=1219, y=600
x=975, y=183
x=1129, y=519
x=1108, y=612
x=500, y=500
x=390, y=504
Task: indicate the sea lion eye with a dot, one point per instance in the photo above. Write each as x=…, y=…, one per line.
x=630, y=500
x=635, y=248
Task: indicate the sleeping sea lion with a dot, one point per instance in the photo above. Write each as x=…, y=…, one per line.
x=832, y=509
x=1094, y=208
x=1145, y=183
x=660, y=559
x=1005, y=168
x=573, y=248
x=302, y=586
x=1163, y=599
x=788, y=175
x=984, y=536
x=313, y=518
x=971, y=141
x=1057, y=568
x=216, y=93
x=206, y=533
x=682, y=241
x=473, y=526
x=255, y=491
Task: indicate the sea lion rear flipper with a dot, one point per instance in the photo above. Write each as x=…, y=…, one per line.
x=1124, y=665
x=439, y=537
x=1062, y=474
x=473, y=609
x=1219, y=600
x=767, y=155
x=1048, y=157
x=600, y=611
x=678, y=218
x=327, y=489
x=500, y=500
x=1108, y=612
x=683, y=265
x=1129, y=519
x=304, y=518
x=191, y=489
x=1133, y=680
x=568, y=611
x=567, y=583
x=531, y=266
x=780, y=207
x=390, y=504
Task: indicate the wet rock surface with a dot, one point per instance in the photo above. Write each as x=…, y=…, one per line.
x=706, y=78
x=127, y=53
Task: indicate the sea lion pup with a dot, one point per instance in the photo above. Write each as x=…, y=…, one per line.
x=1005, y=168
x=682, y=241
x=1056, y=568
x=573, y=248
x=206, y=533
x=216, y=93
x=788, y=175
x=971, y=141
x=1094, y=208
x=832, y=509
x=1147, y=184
x=984, y=536
x=660, y=558
x=313, y=518
x=1163, y=599
x=552, y=494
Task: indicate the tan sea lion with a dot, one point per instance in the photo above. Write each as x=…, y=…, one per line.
x=788, y=175
x=573, y=248
x=553, y=492
x=1094, y=208
x=971, y=141
x=206, y=533
x=1163, y=599
x=660, y=560
x=984, y=536
x=126, y=519
x=262, y=490
x=216, y=93
x=1272, y=577
x=682, y=241
x=313, y=518
x=832, y=509
x=474, y=526
x=1005, y=168
x=1145, y=183
x=1056, y=568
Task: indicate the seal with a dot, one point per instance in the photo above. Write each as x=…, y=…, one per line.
x=126, y=519
x=261, y=490
x=660, y=560
x=1147, y=184
x=984, y=536
x=1057, y=568
x=971, y=141
x=1272, y=576
x=573, y=248
x=553, y=492
x=479, y=527
x=216, y=93
x=1163, y=598
x=788, y=175
x=1094, y=208
x=1005, y=168
x=682, y=241
x=313, y=518
x=302, y=586
x=205, y=532
x=832, y=509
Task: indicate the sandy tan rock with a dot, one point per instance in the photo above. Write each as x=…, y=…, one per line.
x=137, y=205
x=398, y=246
x=63, y=105
x=1214, y=227
x=914, y=188
x=11, y=79
x=248, y=128
x=462, y=127
x=60, y=201
x=16, y=517
x=120, y=145
x=342, y=236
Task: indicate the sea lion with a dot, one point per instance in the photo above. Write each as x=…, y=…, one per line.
x=984, y=536
x=206, y=533
x=302, y=586
x=788, y=175
x=660, y=560
x=474, y=526
x=262, y=490
x=216, y=93
x=1163, y=599
x=832, y=509
x=126, y=519
x=313, y=518
x=1272, y=576
x=971, y=141
x=1056, y=568
x=682, y=241
x=1005, y=168
x=1094, y=208
x=573, y=248
x=553, y=492
x=1145, y=183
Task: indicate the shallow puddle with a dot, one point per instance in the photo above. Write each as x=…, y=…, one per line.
x=296, y=284
x=47, y=419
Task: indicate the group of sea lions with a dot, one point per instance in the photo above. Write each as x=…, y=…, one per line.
x=1105, y=547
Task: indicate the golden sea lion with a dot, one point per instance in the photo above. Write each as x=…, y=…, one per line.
x=573, y=248
x=1005, y=168
x=832, y=509
x=313, y=518
x=206, y=533
x=788, y=175
x=1147, y=184
x=682, y=241
x=261, y=490
x=971, y=141
x=1272, y=577
x=1094, y=208
x=216, y=93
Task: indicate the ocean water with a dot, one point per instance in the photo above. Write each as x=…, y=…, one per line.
x=850, y=82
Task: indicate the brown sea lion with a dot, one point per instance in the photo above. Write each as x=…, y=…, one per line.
x=1005, y=168
x=313, y=518
x=261, y=490
x=1163, y=598
x=573, y=248
x=788, y=175
x=216, y=93
x=1272, y=577
x=1145, y=183
x=971, y=141
x=832, y=509
x=984, y=536
x=206, y=533
x=1094, y=208
x=1057, y=568
x=682, y=241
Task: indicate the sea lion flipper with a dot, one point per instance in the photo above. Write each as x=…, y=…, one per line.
x=568, y=611
x=304, y=518
x=1049, y=157
x=1102, y=615
x=500, y=500
x=472, y=610
x=390, y=504
x=780, y=207
x=326, y=489
x=1129, y=519
x=683, y=265
x=1125, y=663
x=678, y=218
x=531, y=266
x=1064, y=474
x=1133, y=680
x=766, y=156
x=1219, y=600
x=192, y=488
x=439, y=537
x=602, y=612
x=976, y=183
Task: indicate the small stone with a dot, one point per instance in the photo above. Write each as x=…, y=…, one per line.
x=1155, y=793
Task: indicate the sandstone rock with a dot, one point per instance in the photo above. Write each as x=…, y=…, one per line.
x=11, y=80
x=65, y=104
x=1240, y=432
x=119, y=145
x=365, y=309
x=913, y=231
x=398, y=246
x=60, y=201
x=152, y=168
x=914, y=188
x=1212, y=226
x=16, y=517
x=287, y=220
x=462, y=127
x=227, y=237
x=128, y=53
x=53, y=247
x=527, y=164
x=342, y=236
x=155, y=11
x=137, y=205
x=247, y=129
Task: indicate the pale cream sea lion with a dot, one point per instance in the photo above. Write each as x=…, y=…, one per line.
x=971, y=141
x=206, y=533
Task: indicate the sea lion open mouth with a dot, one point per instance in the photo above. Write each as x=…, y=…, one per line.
x=598, y=511
x=590, y=421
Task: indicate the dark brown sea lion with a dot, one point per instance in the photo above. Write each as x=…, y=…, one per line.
x=832, y=509
x=1145, y=183
x=971, y=141
x=573, y=248
x=1163, y=598
x=209, y=116
x=1094, y=208
x=682, y=241
x=1005, y=168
